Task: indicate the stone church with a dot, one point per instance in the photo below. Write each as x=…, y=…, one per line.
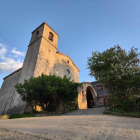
x=42, y=57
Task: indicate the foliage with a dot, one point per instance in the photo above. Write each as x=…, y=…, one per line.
x=119, y=71
x=33, y=111
x=48, y=91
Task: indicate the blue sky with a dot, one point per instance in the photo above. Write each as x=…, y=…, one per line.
x=84, y=26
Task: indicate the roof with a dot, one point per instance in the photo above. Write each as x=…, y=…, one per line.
x=69, y=58
x=99, y=92
x=12, y=73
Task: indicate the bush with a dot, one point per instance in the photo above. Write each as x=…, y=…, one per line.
x=14, y=116
x=47, y=91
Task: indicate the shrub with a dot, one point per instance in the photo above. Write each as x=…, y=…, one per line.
x=47, y=91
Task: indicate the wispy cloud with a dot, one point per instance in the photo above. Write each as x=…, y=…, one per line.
x=14, y=51
x=7, y=61
x=2, y=50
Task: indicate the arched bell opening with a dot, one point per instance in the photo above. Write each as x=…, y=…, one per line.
x=90, y=100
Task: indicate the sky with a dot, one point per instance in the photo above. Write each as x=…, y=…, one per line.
x=83, y=26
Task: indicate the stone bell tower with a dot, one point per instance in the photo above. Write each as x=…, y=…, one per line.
x=41, y=52
x=40, y=58
x=47, y=49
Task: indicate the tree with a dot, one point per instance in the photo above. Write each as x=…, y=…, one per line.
x=44, y=90
x=119, y=71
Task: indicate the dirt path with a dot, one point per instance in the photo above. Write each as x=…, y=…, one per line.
x=77, y=125
x=90, y=111
x=13, y=135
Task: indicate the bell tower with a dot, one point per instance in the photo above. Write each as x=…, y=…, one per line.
x=40, y=58
x=46, y=32
x=47, y=49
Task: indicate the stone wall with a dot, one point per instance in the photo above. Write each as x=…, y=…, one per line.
x=64, y=64
x=7, y=92
x=17, y=105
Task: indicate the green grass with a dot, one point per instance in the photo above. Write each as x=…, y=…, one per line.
x=122, y=113
x=14, y=116
x=37, y=114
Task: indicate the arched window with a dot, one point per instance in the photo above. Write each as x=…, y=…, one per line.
x=68, y=72
x=37, y=33
x=50, y=36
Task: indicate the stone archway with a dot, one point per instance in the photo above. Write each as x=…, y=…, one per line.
x=90, y=100
x=86, y=93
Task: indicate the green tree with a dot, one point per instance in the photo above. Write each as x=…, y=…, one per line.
x=44, y=90
x=119, y=71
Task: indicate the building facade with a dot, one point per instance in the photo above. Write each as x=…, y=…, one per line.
x=42, y=57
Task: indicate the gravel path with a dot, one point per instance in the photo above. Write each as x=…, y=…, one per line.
x=76, y=125
x=12, y=135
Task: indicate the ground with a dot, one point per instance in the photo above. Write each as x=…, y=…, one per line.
x=88, y=124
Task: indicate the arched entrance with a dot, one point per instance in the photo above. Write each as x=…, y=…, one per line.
x=90, y=100
x=86, y=96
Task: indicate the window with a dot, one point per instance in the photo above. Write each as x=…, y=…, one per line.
x=68, y=72
x=37, y=33
x=67, y=61
x=50, y=36
x=100, y=87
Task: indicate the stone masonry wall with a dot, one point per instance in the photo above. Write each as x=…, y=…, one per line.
x=7, y=92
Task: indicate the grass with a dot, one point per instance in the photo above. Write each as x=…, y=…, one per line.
x=122, y=113
x=14, y=116
x=27, y=115
x=37, y=114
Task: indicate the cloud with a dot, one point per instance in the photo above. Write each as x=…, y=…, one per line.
x=2, y=50
x=17, y=52
x=10, y=65
x=7, y=61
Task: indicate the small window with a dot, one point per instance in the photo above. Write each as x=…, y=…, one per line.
x=82, y=93
x=67, y=61
x=49, y=50
x=68, y=72
x=100, y=87
x=50, y=36
x=37, y=33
